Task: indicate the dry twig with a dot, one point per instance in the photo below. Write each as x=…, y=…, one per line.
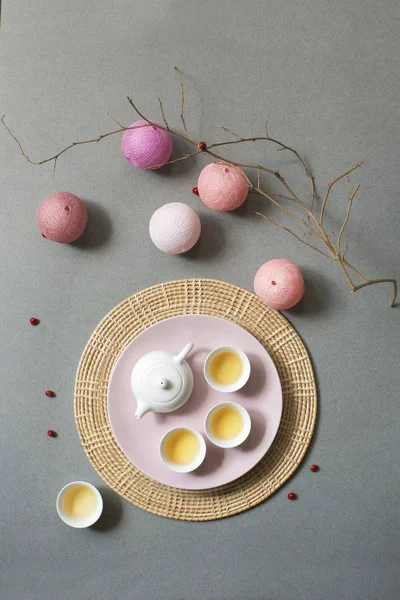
x=314, y=224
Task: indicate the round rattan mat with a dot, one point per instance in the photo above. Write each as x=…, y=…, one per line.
x=219, y=299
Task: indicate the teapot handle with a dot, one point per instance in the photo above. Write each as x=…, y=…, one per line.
x=184, y=353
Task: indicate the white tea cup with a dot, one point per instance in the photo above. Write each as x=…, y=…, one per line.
x=79, y=504
x=176, y=436
x=242, y=377
x=212, y=429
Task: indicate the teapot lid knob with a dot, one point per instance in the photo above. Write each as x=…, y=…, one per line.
x=164, y=384
x=161, y=382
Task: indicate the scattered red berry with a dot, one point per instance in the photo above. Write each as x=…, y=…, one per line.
x=314, y=468
x=50, y=394
x=34, y=321
x=44, y=236
x=195, y=191
x=292, y=496
x=203, y=146
x=51, y=433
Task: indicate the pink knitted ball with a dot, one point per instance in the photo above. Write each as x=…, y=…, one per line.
x=222, y=186
x=62, y=217
x=279, y=283
x=175, y=228
x=146, y=147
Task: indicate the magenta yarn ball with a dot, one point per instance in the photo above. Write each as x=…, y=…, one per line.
x=279, y=283
x=62, y=217
x=222, y=186
x=146, y=147
x=175, y=228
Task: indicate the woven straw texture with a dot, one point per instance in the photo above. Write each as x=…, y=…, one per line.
x=219, y=299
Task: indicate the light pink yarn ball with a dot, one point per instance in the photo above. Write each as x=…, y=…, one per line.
x=62, y=217
x=175, y=228
x=146, y=147
x=279, y=283
x=222, y=186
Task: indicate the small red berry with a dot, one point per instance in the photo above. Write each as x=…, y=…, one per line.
x=44, y=236
x=203, y=146
x=34, y=321
x=51, y=433
x=314, y=468
x=292, y=496
x=50, y=394
x=195, y=191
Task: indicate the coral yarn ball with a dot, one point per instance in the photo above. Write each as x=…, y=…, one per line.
x=175, y=228
x=222, y=187
x=146, y=147
x=279, y=283
x=62, y=217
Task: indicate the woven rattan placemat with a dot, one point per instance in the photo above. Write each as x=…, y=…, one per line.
x=219, y=299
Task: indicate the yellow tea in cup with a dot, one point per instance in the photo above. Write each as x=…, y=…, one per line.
x=181, y=447
x=79, y=502
x=226, y=422
x=225, y=367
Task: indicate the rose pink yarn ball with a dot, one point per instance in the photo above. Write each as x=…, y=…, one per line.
x=222, y=186
x=175, y=228
x=279, y=283
x=62, y=217
x=146, y=147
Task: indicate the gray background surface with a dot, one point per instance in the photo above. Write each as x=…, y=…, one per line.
x=325, y=75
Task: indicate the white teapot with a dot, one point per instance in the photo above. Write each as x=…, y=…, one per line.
x=161, y=381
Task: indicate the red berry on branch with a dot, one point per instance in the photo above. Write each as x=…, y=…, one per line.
x=203, y=146
x=50, y=394
x=314, y=468
x=34, y=321
x=292, y=496
x=51, y=433
x=195, y=191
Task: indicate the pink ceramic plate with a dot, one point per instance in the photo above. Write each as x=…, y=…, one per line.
x=262, y=396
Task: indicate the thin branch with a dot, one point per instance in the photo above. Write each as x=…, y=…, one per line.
x=135, y=108
x=115, y=120
x=163, y=115
x=175, y=160
x=331, y=184
x=356, y=271
x=232, y=133
x=345, y=273
x=292, y=233
x=182, y=102
x=351, y=198
x=282, y=146
x=176, y=133
x=56, y=156
x=374, y=281
x=283, y=197
x=291, y=214
x=54, y=168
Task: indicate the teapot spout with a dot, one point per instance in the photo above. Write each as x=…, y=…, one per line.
x=142, y=409
x=184, y=353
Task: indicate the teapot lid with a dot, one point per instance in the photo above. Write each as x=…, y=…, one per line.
x=161, y=382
